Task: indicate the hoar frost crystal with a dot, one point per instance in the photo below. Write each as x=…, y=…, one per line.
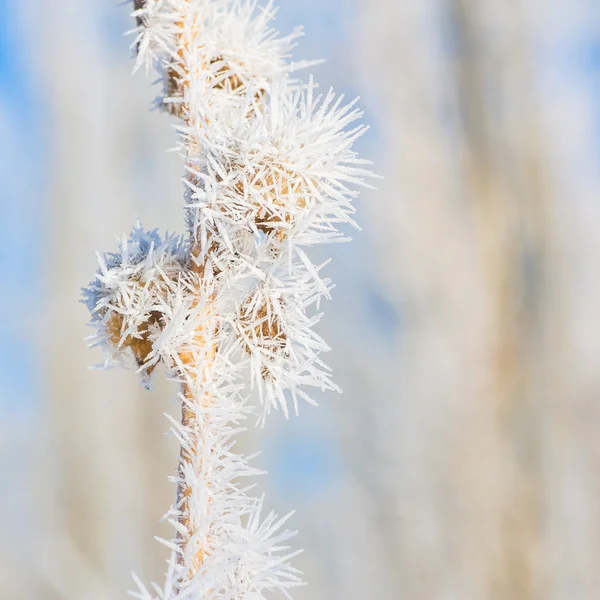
x=269, y=172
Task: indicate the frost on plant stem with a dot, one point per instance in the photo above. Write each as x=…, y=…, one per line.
x=214, y=51
x=269, y=172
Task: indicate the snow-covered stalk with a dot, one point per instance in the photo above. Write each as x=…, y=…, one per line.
x=269, y=171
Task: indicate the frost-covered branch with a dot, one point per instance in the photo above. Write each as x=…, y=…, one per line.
x=269, y=172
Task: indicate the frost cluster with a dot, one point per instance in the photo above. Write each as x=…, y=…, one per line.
x=269, y=172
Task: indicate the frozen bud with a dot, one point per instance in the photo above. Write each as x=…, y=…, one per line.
x=274, y=195
x=290, y=172
x=260, y=325
x=212, y=52
x=130, y=293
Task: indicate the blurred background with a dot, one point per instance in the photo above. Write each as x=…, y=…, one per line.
x=462, y=461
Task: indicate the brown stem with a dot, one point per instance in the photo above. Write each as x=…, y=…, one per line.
x=194, y=373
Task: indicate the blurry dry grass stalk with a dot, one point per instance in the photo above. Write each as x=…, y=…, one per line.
x=477, y=346
x=506, y=186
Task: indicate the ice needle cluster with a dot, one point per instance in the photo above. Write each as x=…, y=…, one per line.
x=231, y=307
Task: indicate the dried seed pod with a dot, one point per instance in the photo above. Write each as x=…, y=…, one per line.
x=260, y=326
x=131, y=292
x=275, y=196
x=226, y=77
x=140, y=344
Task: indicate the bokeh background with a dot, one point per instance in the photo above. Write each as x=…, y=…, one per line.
x=462, y=461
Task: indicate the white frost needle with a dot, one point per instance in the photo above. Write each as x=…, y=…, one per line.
x=269, y=172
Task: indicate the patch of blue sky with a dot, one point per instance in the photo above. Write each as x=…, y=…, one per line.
x=21, y=175
x=568, y=64
x=302, y=463
x=15, y=83
x=575, y=59
x=114, y=22
x=590, y=63
x=382, y=314
x=325, y=22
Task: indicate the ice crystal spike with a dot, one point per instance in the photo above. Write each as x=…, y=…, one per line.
x=270, y=171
